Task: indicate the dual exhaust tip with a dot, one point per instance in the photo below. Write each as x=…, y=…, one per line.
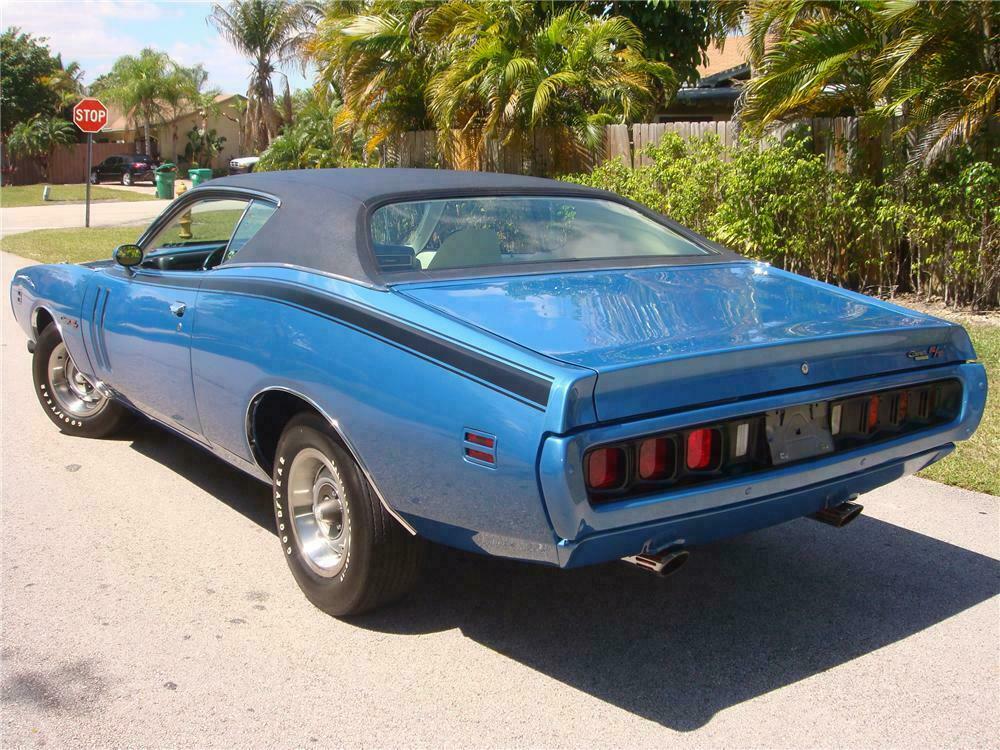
x=839, y=515
x=672, y=559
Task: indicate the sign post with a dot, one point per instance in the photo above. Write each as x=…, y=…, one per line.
x=90, y=116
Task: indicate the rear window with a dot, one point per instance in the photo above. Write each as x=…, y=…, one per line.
x=490, y=231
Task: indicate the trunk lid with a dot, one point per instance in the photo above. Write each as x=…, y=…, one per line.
x=664, y=339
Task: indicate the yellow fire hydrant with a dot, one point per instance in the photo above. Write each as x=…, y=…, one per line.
x=185, y=220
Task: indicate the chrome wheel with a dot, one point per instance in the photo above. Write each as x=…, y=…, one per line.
x=126, y=179
x=72, y=391
x=321, y=519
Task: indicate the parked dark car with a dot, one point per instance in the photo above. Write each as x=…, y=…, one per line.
x=124, y=168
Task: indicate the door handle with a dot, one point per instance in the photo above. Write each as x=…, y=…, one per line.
x=178, y=308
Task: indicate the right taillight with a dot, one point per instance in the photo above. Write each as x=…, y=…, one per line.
x=606, y=468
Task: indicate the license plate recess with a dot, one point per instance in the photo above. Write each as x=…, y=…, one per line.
x=798, y=432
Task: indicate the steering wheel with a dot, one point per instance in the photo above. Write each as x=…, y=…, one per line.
x=213, y=259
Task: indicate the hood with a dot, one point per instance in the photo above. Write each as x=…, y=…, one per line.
x=669, y=338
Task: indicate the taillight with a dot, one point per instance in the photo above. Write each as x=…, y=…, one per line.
x=743, y=446
x=872, y=420
x=704, y=449
x=606, y=468
x=657, y=459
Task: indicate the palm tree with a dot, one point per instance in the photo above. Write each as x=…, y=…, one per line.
x=188, y=94
x=511, y=68
x=942, y=67
x=814, y=59
x=270, y=33
x=375, y=58
x=67, y=83
x=143, y=86
x=36, y=138
x=936, y=63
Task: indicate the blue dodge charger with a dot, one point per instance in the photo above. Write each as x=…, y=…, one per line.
x=507, y=365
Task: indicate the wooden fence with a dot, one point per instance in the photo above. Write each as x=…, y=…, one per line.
x=545, y=152
x=67, y=164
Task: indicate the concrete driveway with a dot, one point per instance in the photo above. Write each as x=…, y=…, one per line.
x=146, y=603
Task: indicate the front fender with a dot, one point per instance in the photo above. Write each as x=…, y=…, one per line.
x=56, y=292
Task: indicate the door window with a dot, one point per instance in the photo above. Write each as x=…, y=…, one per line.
x=209, y=222
x=196, y=238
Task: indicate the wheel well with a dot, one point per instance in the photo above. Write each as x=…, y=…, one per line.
x=267, y=418
x=43, y=319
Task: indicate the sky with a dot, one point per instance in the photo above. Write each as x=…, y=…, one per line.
x=96, y=32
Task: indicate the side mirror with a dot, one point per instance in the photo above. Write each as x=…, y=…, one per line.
x=128, y=256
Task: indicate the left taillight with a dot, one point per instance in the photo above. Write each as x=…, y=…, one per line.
x=606, y=468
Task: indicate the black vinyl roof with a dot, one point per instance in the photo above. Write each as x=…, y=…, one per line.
x=322, y=222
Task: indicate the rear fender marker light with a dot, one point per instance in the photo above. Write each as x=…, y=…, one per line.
x=479, y=447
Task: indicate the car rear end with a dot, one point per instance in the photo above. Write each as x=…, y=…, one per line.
x=142, y=168
x=727, y=398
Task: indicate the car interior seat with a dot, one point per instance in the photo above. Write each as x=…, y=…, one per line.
x=467, y=247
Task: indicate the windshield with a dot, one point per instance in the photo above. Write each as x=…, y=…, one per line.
x=488, y=231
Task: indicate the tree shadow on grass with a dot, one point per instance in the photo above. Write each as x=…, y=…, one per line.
x=742, y=618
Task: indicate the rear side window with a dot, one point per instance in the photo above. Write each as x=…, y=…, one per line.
x=504, y=230
x=253, y=220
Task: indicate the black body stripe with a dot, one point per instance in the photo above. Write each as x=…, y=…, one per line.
x=529, y=386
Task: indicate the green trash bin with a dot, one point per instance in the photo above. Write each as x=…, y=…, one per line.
x=165, y=175
x=199, y=176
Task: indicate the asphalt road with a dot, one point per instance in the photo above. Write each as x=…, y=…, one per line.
x=145, y=603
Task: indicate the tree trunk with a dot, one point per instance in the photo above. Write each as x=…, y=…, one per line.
x=870, y=146
x=145, y=131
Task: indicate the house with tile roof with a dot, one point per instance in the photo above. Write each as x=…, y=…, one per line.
x=170, y=136
x=714, y=96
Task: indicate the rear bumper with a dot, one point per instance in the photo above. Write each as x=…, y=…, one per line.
x=720, y=523
x=725, y=508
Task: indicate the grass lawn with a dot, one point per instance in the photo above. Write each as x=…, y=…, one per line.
x=975, y=464
x=31, y=195
x=73, y=245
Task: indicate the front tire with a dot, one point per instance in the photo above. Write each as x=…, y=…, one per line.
x=347, y=554
x=67, y=396
x=127, y=179
x=93, y=178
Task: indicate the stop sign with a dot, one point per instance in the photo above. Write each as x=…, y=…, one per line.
x=90, y=115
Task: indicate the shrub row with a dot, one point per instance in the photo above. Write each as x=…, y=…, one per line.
x=935, y=233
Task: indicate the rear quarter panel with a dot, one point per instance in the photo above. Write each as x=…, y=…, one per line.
x=404, y=414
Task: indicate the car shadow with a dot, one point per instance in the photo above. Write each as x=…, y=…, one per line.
x=742, y=618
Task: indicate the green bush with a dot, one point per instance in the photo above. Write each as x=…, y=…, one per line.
x=934, y=233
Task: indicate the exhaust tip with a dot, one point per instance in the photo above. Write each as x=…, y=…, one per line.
x=661, y=564
x=839, y=515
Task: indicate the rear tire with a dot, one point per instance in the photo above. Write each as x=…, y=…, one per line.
x=347, y=554
x=68, y=398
